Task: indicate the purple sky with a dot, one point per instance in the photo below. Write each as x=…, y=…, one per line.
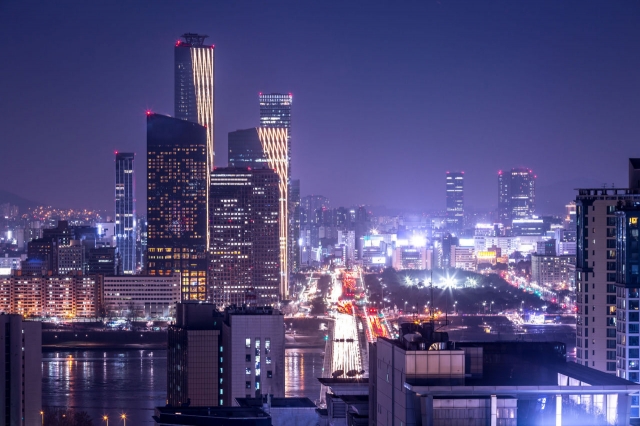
x=388, y=96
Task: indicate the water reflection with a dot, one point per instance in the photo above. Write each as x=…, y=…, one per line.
x=134, y=382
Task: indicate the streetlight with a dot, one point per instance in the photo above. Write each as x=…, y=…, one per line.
x=42, y=415
x=490, y=306
x=123, y=416
x=106, y=419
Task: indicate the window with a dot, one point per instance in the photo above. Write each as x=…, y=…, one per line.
x=611, y=355
x=611, y=300
x=634, y=316
x=247, y=343
x=634, y=341
x=633, y=353
x=269, y=374
x=268, y=360
x=611, y=332
x=611, y=266
x=611, y=366
x=247, y=370
x=611, y=344
x=247, y=385
x=247, y=358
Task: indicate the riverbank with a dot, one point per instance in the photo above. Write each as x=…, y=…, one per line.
x=300, y=333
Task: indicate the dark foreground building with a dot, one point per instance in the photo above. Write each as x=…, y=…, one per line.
x=423, y=378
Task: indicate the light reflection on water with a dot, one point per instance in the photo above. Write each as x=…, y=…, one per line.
x=134, y=381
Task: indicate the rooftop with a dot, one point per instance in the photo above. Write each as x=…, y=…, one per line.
x=293, y=402
x=208, y=416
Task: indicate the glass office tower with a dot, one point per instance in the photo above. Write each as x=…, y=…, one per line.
x=275, y=112
x=194, y=85
x=125, y=211
x=455, y=200
x=244, y=251
x=177, y=194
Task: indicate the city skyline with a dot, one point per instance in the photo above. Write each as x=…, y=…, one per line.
x=514, y=114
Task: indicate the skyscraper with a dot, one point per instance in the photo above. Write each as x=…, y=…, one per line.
x=275, y=113
x=125, y=211
x=455, y=200
x=177, y=202
x=194, y=85
x=245, y=149
x=275, y=146
x=268, y=150
x=244, y=251
x=516, y=194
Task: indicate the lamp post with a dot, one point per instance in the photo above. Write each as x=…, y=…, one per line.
x=42, y=416
x=123, y=416
x=490, y=308
x=106, y=419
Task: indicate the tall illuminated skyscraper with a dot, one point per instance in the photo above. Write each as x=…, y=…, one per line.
x=244, y=250
x=177, y=179
x=194, y=85
x=455, y=200
x=516, y=194
x=125, y=211
x=265, y=147
x=275, y=113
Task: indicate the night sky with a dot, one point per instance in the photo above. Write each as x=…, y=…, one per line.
x=388, y=96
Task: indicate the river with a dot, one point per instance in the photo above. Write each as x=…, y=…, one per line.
x=113, y=382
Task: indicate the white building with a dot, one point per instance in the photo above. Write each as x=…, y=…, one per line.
x=148, y=296
x=253, y=360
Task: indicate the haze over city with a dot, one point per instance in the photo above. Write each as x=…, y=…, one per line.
x=386, y=98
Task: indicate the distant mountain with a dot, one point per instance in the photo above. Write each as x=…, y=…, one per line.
x=22, y=203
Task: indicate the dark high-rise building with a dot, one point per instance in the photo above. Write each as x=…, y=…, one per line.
x=194, y=356
x=516, y=194
x=269, y=150
x=455, y=200
x=177, y=202
x=125, y=211
x=21, y=372
x=194, y=85
x=245, y=149
x=244, y=228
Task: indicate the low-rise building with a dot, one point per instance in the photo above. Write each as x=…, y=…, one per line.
x=65, y=296
x=141, y=295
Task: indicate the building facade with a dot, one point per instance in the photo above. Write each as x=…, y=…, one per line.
x=194, y=63
x=177, y=202
x=596, y=275
x=194, y=357
x=62, y=296
x=125, y=224
x=141, y=295
x=275, y=113
x=516, y=194
x=455, y=200
x=253, y=363
x=553, y=272
x=244, y=227
x=21, y=372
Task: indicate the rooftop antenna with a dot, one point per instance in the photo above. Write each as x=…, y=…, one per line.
x=194, y=39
